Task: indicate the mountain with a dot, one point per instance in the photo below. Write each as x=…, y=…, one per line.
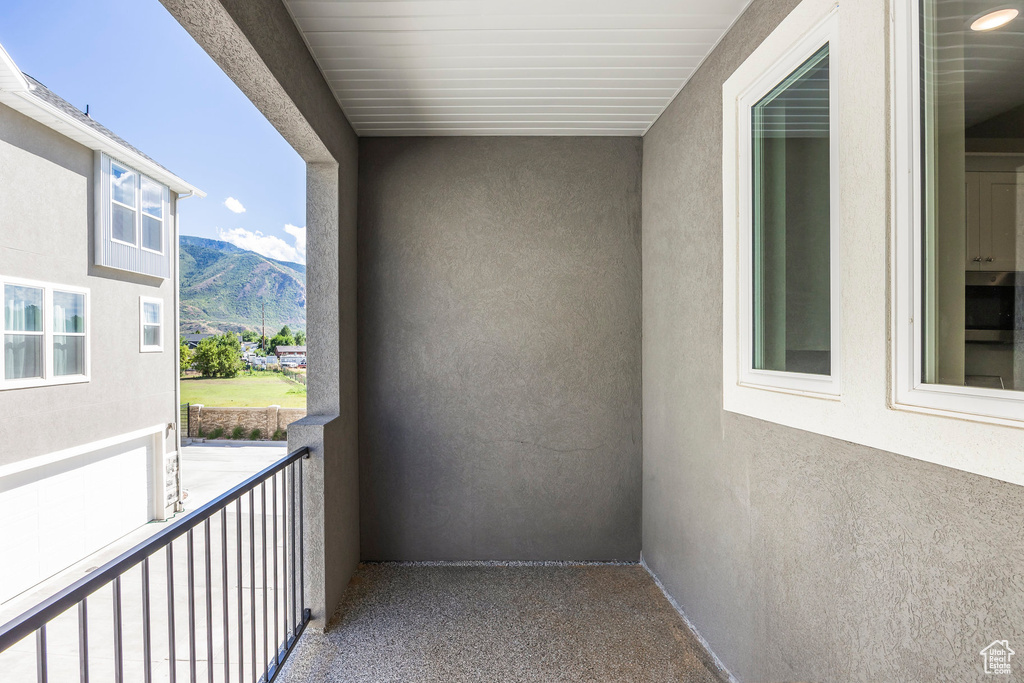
x=224, y=288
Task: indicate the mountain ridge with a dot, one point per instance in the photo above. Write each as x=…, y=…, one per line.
x=225, y=288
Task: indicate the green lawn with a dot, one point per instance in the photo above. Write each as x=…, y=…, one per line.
x=244, y=391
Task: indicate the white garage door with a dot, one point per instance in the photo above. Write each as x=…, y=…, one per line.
x=56, y=514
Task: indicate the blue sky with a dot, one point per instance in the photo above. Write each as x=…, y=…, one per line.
x=144, y=78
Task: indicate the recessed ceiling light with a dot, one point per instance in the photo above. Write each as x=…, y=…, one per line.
x=992, y=20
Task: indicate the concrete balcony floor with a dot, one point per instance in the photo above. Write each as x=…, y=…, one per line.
x=452, y=623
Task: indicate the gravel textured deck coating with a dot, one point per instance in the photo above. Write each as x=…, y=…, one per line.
x=502, y=623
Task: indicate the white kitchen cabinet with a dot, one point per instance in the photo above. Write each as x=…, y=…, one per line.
x=995, y=220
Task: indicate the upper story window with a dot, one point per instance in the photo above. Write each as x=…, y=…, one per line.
x=787, y=230
x=45, y=334
x=132, y=220
x=960, y=229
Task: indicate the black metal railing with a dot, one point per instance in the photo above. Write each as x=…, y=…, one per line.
x=184, y=424
x=273, y=622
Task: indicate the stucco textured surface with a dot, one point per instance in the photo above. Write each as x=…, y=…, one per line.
x=499, y=342
x=452, y=624
x=258, y=46
x=796, y=556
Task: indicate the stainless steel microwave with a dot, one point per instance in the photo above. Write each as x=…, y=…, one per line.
x=990, y=304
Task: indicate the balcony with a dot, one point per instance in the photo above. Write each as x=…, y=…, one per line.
x=521, y=405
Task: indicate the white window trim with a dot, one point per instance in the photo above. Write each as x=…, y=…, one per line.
x=864, y=414
x=143, y=348
x=48, y=378
x=908, y=391
x=779, y=56
x=163, y=213
x=164, y=208
x=822, y=386
x=134, y=209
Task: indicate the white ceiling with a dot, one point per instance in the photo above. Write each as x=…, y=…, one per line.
x=509, y=67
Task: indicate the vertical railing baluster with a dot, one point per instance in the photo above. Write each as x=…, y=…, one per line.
x=285, y=594
x=147, y=650
x=290, y=547
x=83, y=642
x=273, y=536
x=190, y=552
x=302, y=543
x=252, y=579
x=241, y=626
x=209, y=601
x=224, y=589
x=41, y=672
x=118, y=635
x=263, y=548
x=171, y=657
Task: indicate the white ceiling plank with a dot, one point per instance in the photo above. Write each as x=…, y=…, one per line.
x=645, y=75
x=438, y=8
x=509, y=67
x=447, y=53
x=578, y=103
x=419, y=117
x=576, y=62
x=627, y=132
x=531, y=22
x=594, y=38
x=597, y=94
x=385, y=113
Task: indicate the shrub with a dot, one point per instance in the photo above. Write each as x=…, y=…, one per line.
x=255, y=435
x=217, y=433
x=280, y=435
x=237, y=432
x=185, y=356
x=219, y=356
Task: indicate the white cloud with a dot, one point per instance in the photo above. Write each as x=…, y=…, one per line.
x=300, y=239
x=234, y=205
x=270, y=246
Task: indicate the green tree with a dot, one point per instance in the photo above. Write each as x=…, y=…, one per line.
x=282, y=338
x=300, y=338
x=250, y=336
x=219, y=356
x=185, y=355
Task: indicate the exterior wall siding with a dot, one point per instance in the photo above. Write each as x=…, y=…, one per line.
x=46, y=234
x=797, y=556
x=113, y=254
x=499, y=348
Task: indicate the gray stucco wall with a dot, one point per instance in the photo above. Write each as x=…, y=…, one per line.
x=798, y=557
x=499, y=348
x=46, y=232
x=258, y=46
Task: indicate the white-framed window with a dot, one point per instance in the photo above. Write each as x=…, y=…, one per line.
x=152, y=217
x=958, y=232
x=151, y=324
x=133, y=219
x=45, y=334
x=783, y=219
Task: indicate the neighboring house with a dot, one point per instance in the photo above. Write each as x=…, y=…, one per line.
x=88, y=261
x=192, y=340
x=283, y=352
